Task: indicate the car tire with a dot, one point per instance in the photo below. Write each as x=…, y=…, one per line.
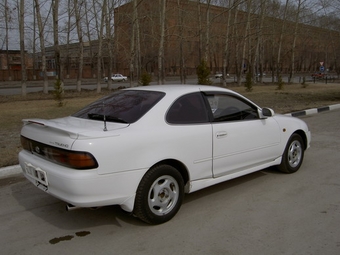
x=159, y=195
x=293, y=155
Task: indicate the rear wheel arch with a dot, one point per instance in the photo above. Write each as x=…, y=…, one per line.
x=159, y=194
x=180, y=167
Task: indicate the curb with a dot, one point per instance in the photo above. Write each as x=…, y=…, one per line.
x=314, y=110
x=16, y=169
x=9, y=170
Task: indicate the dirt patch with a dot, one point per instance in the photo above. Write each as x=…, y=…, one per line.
x=38, y=105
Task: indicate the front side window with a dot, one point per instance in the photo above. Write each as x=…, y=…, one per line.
x=230, y=108
x=188, y=109
x=125, y=106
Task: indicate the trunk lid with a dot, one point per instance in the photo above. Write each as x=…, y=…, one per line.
x=63, y=132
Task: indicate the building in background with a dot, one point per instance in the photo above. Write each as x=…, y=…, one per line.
x=10, y=65
x=193, y=31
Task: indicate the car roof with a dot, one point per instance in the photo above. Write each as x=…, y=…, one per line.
x=179, y=89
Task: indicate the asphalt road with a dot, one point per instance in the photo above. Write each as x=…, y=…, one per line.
x=262, y=213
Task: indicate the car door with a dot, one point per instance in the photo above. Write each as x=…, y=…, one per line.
x=188, y=120
x=241, y=139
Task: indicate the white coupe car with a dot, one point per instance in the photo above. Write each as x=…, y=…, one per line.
x=116, y=77
x=144, y=148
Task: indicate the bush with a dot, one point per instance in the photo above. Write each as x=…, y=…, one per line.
x=58, y=93
x=303, y=83
x=249, y=82
x=203, y=73
x=280, y=83
x=145, y=78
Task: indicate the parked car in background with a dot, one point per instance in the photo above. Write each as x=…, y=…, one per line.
x=116, y=77
x=220, y=75
x=143, y=148
x=318, y=75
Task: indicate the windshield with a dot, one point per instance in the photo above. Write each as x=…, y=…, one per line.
x=124, y=106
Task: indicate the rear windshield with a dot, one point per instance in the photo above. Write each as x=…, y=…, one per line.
x=125, y=106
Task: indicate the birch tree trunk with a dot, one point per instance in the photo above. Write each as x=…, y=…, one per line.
x=34, y=55
x=200, y=30
x=138, y=49
x=100, y=44
x=296, y=25
x=69, y=15
x=132, y=43
x=162, y=4
x=7, y=40
x=88, y=33
x=42, y=46
x=207, y=33
x=236, y=42
x=258, y=56
x=278, y=62
x=108, y=43
x=226, y=46
x=181, y=42
x=22, y=48
x=244, y=42
x=59, y=69
x=81, y=44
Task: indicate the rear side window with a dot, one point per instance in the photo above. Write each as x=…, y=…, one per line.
x=188, y=109
x=126, y=106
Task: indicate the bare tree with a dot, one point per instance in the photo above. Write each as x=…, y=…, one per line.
x=108, y=40
x=55, y=15
x=297, y=16
x=132, y=42
x=162, y=5
x=77, y=13
x=207, y=31
x=181, y=42
x=22, y=47
x=87, y=13
x=226, y=43
x=258, y=58
x=278, y=61
x=7, y=20
x=42, y=46
x=34, y=55
x=69, y=28
x=100, y=44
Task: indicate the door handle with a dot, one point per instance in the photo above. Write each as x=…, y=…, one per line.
x=221, y=134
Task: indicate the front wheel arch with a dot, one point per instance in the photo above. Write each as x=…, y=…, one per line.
x=293, y=154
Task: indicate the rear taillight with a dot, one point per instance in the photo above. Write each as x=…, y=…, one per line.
x=73, y=159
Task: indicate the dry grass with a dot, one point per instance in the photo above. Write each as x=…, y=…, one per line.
x=38, y=105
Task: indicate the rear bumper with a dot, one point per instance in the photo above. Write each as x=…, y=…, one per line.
x=83, y=188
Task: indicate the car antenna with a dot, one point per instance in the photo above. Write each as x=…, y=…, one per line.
x=105, y=128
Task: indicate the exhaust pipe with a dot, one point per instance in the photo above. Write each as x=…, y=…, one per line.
x=70, y=207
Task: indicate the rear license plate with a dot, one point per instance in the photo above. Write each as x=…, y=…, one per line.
x=36, y=173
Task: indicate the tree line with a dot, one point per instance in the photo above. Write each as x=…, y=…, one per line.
x=37, y=24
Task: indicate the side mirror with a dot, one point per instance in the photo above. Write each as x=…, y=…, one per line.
x=266, y=112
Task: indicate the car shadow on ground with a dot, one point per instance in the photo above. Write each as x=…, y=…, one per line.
x=53, y=210
x=224, y=186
